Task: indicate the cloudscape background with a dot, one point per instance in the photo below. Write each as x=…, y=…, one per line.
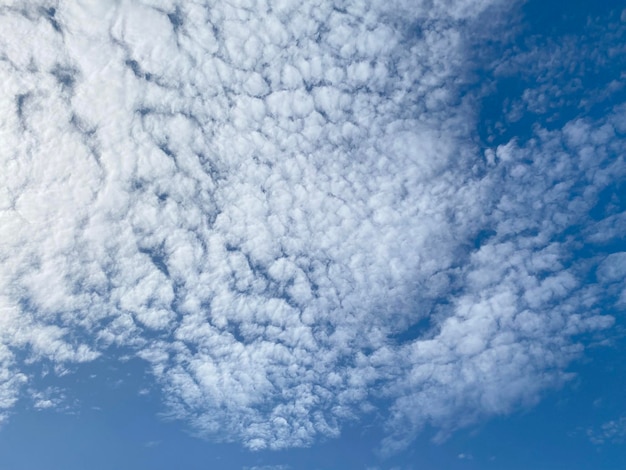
x=269, y=234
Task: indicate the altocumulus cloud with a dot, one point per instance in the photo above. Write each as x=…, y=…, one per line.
x=283, y=208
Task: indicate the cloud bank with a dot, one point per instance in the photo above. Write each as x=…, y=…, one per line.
x=285, y=209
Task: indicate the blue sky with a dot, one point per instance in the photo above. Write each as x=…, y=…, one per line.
x=274, y=235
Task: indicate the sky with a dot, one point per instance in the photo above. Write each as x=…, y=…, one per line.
x=276, y=235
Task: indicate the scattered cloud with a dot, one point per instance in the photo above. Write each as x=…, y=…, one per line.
x=260, y=199
x=51, y=397
x=268, y=467
x=611, y=432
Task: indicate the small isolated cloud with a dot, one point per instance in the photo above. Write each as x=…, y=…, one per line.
x=611, y=432
x=50, y=397
x=267, y=467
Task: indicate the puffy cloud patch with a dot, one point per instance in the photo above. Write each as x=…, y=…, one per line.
x=265, y=200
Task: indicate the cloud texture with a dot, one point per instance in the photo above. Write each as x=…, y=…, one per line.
x=284, y=209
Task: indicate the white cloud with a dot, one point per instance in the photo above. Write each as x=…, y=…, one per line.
x=613, y=268
x=257, y=198
x=611, y=432
x=48, y=398
x=267, y=467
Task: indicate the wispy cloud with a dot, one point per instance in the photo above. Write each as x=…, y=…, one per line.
x=613, y=432
x=267, y=467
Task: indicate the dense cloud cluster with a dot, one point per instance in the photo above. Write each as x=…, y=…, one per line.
x=284, y=209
